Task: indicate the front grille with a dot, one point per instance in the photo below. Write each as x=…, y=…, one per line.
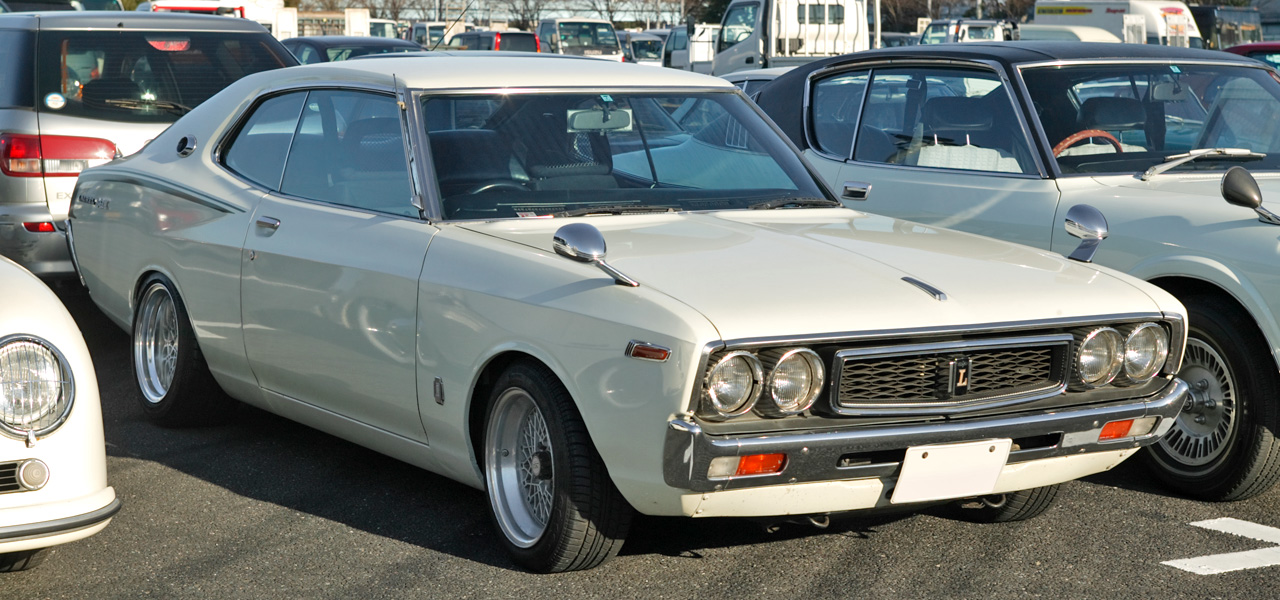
x=9, y=478
x=957, y=374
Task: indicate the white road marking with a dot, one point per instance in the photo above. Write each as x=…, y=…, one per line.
x=1233, y=561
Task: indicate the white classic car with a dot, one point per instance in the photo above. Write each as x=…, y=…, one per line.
x=53, y=460
x=1003, y=139
x=410, y=253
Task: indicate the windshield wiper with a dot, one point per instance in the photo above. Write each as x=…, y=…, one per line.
x=1219, y=153
x=614, y=209
x=172, y=107
x=795, y=202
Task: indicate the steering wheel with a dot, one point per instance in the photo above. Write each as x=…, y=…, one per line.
x=498, y=185
x=1087, y=133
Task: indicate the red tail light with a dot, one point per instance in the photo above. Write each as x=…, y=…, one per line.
x=497, y=41
x=45, y=227
x=51, y=155
x=537, y=44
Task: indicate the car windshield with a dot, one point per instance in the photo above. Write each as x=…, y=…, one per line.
x=1125, y=118
x=348, y=52
x=588, y=38
x=647, y=49
x=539, y=154
x=140, y=76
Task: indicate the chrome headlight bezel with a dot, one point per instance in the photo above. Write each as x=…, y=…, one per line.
x=1157, y=361
x=772, y=407
x=1115, y=344
x=62, y=405
x=713, y=407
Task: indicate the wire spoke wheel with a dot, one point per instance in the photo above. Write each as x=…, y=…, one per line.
x=1205, y=427
x=521, y=479
x=155, y=343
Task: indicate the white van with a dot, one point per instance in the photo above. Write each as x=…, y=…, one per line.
x=1166, y=22
x=580, y=37
x=1067, y=33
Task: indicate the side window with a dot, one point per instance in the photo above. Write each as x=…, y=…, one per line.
x=834, y=111
x=258, y=151
x=739, y=24
x=943, y=118
x=679, y=40
x=349, y=150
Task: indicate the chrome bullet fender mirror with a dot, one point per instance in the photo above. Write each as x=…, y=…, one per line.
x=1088, y=224
x=584, y=243
x=1241, y=189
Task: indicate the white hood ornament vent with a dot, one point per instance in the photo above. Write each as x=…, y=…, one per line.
x=937, y=294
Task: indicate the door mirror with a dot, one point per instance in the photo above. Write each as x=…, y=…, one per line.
x=1088, y=224
x=584, y=243
x=1240, y=188
x=690, y=26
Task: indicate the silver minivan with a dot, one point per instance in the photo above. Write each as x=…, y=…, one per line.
x=81, y=88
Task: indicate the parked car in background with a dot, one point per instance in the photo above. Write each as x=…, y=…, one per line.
x=952, y=31
x=52, y=5
x=53, y=459
x=759, y=34
x=890, y=39
x=432, y=35
x=580, y=37
x=512, y=41
x=750, y=82
x=1003, y=139
x=100, y=85
x=384, y=28
x=522, y=272
x=641, y=48
x=1035, y=32
x=693, y=52
x=1266, y=52
x=328, y=48
x=1227, y=26
x=1156, y=22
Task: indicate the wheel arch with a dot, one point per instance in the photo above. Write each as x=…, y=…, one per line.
x=1183, y=287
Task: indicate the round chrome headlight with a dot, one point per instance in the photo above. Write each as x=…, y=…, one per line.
x=733, y=384
x=1145, y=351
x=793, y=383
x=36, y=388
x=1100, y=357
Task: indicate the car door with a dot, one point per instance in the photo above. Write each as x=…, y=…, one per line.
x=331, y=264
x=938, y=144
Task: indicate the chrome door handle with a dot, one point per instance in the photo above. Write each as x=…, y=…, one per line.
x=856, y=190
x=269, y=223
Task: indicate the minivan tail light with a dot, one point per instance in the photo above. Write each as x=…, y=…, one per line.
x=497, y=41
x=52, y=155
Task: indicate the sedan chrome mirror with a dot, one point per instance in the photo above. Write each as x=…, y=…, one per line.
x=584, y=243
x=1088, y=224
x=1241, y=189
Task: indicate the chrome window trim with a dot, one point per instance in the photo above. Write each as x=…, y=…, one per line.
x=356, y=209
x=70, y=390
x=1019, y=111
x=945, y=407
x=810, y=138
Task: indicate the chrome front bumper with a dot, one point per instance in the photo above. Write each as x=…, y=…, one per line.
x=877, y=451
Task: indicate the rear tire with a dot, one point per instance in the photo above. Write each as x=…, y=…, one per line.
x=550, y=495
x=1223, y=445
x=174, y=382
x=22, y=560
x=1005, y=508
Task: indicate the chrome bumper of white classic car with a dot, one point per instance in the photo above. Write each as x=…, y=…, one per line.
x=836, y=456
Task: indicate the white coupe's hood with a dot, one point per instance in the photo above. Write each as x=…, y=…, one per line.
x=813, y=271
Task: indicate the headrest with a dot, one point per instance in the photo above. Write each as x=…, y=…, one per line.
x=950, y=112
x=375, y=144
x=469, y=155
x=1109, y=113
x=578, y=156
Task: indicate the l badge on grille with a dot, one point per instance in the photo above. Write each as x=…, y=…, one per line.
x=958, y=376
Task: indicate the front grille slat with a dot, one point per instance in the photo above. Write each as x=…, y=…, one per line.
x=9, y=478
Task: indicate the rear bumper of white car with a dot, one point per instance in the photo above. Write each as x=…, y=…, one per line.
x=857, y=468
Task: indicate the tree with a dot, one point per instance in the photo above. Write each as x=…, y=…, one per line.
x=524, y=13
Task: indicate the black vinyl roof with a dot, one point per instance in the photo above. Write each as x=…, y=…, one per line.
x=783, y=99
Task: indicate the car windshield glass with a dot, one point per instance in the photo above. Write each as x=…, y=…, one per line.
x=141, y=76
x=647, y=49
x=346, y=52
x=1125, y=118
x=533, y=155
x=588, y=39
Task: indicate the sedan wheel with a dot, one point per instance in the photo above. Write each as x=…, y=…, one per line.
x=173, y=379
x=550, y=495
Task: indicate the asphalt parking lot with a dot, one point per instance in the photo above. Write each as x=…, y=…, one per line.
x=265, y=508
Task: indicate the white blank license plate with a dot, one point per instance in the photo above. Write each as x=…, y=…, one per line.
x=949, y=471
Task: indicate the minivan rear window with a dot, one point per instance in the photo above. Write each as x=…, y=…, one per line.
x=519, y=42
x=144, y=76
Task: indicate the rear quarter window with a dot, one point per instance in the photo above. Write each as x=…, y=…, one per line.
x=16, y=84
x=145, y=76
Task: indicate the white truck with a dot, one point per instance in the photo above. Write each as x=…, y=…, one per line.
x=1166, y=22
x=756, y=34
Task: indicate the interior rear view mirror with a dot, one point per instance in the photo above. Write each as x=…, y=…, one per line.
x=600, y=119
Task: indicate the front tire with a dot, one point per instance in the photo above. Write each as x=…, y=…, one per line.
x=174, y=382
x=550, y=495
x=22, y=560
x=1223, y=445
x=1006, y=508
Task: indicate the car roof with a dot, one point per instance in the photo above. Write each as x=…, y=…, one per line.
x=114, y=19
x=489, y=70
x=779, y=99
x=330, y=41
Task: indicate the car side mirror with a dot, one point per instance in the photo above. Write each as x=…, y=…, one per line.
x=583, y=243
x=1241, y=189
x=1088, y=224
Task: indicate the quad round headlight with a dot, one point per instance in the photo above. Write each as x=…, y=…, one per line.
x=1101, y=356
x=1145, y=350
x=733, y=385
x=35, y=386
x=793, y=383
